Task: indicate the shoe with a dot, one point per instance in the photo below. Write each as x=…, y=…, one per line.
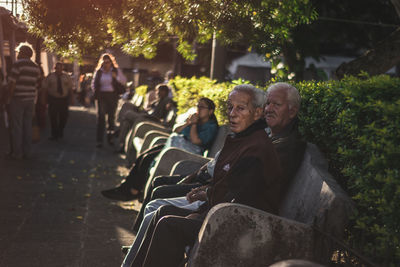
x=99, y=145
x=125, y=249
x=119, y=193
x=53, y=138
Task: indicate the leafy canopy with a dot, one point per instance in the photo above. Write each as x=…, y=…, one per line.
x=81, y=27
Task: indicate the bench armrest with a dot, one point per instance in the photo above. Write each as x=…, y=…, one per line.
x=238, y=235
x=142, y=144
x=186, y=167
x=158, y=141
x=171, y=156
x=143, y=127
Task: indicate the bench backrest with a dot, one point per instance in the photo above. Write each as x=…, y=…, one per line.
x=138, y=101
x=315, y=198
x=219, y=141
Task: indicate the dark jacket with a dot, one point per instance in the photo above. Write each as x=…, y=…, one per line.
x=159, y=108
x=290, y=148
x=247, y=171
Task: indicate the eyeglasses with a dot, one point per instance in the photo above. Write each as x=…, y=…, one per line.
x=202, y=107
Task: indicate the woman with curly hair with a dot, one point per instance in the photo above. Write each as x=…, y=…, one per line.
x=108, y=83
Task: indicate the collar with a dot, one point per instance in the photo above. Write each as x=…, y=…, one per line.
x=257, y=125
x=287, y=130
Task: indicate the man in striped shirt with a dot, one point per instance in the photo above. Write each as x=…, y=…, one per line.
x=22, y=85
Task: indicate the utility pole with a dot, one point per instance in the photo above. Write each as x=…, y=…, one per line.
x=218, y=58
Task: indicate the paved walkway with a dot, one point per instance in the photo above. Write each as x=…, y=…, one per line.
x=51, y=209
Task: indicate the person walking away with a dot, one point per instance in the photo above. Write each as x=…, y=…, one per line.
x=107, y=81
x=58, y=90
x=22, y=93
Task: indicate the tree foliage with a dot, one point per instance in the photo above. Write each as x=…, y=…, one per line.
x=356, y=124
x=83, y=27
x=345, y=28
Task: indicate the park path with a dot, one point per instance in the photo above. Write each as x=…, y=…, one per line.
x=51, y=209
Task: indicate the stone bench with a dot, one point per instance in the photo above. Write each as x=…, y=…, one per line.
x=177, y=161
x=238, y=235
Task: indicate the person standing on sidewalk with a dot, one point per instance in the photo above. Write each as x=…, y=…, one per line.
x=106, y=84
x=58, y=90
x=22, y=92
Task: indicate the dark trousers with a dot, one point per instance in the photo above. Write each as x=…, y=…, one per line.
x=106, y=105
x=139, y=172
x=168, y=234
x=58, y=114
x=8, y=122
x=163, y=187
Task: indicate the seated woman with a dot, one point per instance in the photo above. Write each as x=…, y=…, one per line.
x=195, y=135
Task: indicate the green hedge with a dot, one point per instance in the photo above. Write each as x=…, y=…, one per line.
x=356, y=123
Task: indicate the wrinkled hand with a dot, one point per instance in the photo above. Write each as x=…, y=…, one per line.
x=196, y=194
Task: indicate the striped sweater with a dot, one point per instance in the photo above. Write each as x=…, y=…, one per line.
x=26, y=74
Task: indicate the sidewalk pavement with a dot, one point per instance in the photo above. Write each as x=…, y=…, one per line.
x=51, y=209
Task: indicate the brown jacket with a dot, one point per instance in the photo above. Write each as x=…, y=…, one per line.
x=248, y=171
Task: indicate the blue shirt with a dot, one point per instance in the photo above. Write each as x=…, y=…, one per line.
x=206, y=133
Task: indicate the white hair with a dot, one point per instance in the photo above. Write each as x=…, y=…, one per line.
x=293, y=96
x=257, y=95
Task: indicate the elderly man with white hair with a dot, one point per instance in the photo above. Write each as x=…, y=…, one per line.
x=282, y=105
x=247, y=171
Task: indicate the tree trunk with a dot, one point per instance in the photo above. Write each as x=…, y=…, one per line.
x=218, y=60
x=375, y=61
x=294, y=63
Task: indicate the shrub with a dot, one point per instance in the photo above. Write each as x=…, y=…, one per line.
x=356, y=123
x=141, y=90
x=188, y=91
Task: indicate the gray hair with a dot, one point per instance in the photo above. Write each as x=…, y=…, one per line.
x=293, y=96
x=258, y=96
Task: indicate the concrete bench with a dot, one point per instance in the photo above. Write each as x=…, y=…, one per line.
x=137, y=136
x=238, y=235
x=178, y=161
x=171, y=156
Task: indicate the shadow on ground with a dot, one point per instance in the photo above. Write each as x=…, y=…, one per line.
x=52, y=213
